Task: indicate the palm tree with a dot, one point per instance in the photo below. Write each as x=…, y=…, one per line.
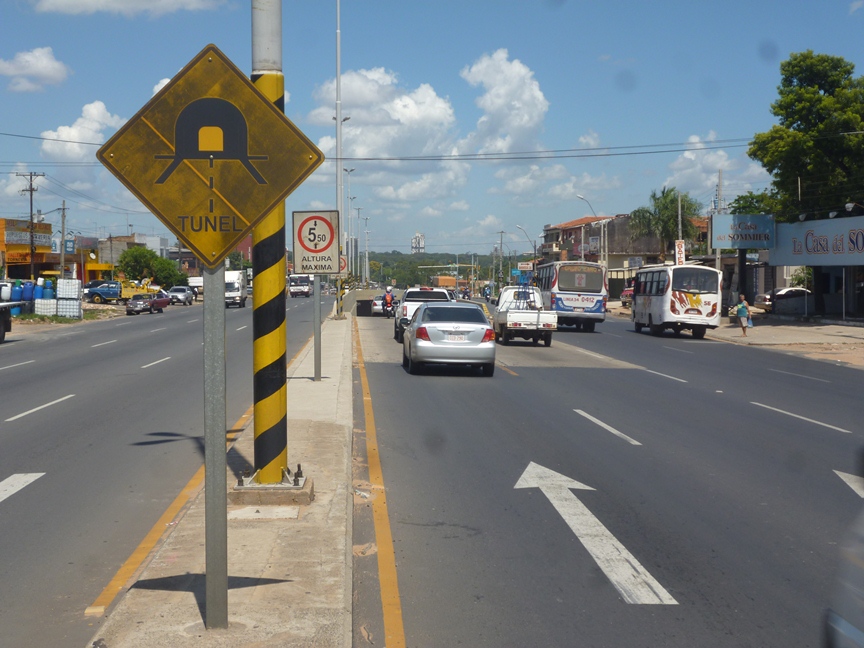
x=661, y=218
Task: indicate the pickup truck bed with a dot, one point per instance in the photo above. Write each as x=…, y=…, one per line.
x=519, y=313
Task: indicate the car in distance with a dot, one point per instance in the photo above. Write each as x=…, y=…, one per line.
x=181, y=295
x=378, y=305
x=767, y=301
x=627, y=297
x=147, y=302
x=452, y=333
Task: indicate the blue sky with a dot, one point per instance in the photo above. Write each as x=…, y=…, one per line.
x=631, y=97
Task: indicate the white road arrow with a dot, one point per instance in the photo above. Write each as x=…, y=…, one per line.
x=854, y=482
x=631, y=580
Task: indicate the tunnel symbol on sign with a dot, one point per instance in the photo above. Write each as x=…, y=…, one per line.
x=211, y=129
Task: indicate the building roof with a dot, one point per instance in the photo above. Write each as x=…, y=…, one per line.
x=579, y=222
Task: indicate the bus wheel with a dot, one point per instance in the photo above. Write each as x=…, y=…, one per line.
x=588, y=326
x=698, y=332
x=677, y=331
x=637, y=326
x=655, y=329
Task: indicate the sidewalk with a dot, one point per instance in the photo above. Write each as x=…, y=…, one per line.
x=289, y=567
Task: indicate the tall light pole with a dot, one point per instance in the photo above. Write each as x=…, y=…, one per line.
x=366, y=267
x=348, y=220
x=534, y=258
x=582, y=247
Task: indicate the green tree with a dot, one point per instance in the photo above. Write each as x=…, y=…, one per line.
x=143, y=263
x=660, y=218
x=764, y=202
x=815, y=154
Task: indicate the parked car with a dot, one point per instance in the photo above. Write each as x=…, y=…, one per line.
x=148, y=302
x=766, y=301
x=446, y=332
x=181, y=295
x=91, y=284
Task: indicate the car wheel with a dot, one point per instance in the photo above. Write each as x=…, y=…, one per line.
x=404, y=358
x=97, y=299
x=414, y=367
x=488, y=369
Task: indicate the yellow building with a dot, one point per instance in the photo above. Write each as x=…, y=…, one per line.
x=18, y=240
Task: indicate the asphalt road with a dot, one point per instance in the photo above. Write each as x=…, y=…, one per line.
x=703, y=509
x=101, y=426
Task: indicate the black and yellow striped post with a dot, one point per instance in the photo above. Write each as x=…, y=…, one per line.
x=268, y=325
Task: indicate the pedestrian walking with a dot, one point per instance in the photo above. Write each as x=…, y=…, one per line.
x=195, y=292
x=743, y=313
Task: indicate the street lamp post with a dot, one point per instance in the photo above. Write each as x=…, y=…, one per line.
x=582, y=247
x=534, y=258
x=348, y=224
x=366, y=266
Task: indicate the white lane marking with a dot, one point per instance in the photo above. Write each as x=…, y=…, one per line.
x=854, y=482
x=657, y=373
x=20, y=364
x=164, y=328
x=596, y=355
x=93, y=346
x=803, y=418
x=36, y=409
x=789, y=373
x=155, y=363
x=633, y=582
x=191, y=321
x=612, y=334
x=242, y=327
x=13, y=484
x=608, y=428
x=678, y=350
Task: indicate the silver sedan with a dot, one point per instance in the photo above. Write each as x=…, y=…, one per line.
x=448, y=333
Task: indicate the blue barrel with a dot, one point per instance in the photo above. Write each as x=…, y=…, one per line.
x=49, y=293
x=16, y=293
x=48, y=284
x=27, y=292
x=38, y=292
x=15, y=310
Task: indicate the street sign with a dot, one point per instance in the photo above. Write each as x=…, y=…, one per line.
x=316, y=242
x=210, y=156
x=343, y=264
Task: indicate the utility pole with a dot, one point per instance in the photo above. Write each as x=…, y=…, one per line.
x=500, y=260
x=366, y=266
x=30, y=189
x=63, y=240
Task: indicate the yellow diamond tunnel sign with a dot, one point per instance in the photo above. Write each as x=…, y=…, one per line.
x=210, y=156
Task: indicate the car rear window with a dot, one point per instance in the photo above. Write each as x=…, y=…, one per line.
x=455, y=314
x=426, y=295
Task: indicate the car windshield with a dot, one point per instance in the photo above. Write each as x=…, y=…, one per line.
x=694, y=280
x=457, y=314
x=141, y=297
x=426, y=295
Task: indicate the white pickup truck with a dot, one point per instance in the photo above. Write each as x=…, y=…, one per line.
x=519, y=314
x=411, y=300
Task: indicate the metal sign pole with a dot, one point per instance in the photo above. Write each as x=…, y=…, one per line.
x=316, y=295
x=215, y=425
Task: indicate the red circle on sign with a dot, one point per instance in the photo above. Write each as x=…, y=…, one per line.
x=329, y=228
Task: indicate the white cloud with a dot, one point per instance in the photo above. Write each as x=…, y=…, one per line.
x=125, y=7
x=390, y=121
x=855, y=6
x=696, y=171
x=162, y=83
x=524, y=181
x=513, y=105
x=589, y=140
x=459, y=205
x=32, y=71
x=583, y=185
x=89, y=127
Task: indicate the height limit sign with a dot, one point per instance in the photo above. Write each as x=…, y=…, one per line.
x=316, y=242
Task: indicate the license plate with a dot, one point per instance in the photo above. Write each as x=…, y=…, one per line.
x=578, y=309
x=692, y=311
x=455, y=338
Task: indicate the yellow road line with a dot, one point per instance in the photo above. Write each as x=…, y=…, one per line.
x=391, y=605
x=163, y=525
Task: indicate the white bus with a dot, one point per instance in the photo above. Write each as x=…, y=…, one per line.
x=576, y=290
x=677, y=298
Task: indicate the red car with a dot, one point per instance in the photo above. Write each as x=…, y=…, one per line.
x=627, y=297
x=149, y=302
